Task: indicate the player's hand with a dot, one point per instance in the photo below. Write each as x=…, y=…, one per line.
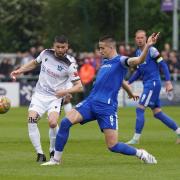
x=153, y=39
x=168, y=86
x=15, y=74
x=61, y=93
x=135, y=97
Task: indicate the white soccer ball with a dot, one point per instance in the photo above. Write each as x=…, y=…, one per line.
x=5, y=104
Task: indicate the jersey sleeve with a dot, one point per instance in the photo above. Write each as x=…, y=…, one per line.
x=40, y=57
x=73, y=72
x=154, y=53
x=124, y=61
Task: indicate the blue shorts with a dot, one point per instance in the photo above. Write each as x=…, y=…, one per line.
x=105, y=114
x=150, y=96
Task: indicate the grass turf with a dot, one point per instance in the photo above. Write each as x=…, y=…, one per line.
x=86, y=156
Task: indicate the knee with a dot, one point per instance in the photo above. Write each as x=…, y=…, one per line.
x=140, y=110
x=52, y=124
x=33, y=119
x=156, y=112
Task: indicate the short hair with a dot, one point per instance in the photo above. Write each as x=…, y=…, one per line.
x=140, y=31
x=108, y=39
x=61, y=39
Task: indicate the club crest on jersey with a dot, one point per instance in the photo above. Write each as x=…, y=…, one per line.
x=46, y=59
x=60, y=68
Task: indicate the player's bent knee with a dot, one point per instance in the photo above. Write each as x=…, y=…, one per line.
x=33, y=119
x=156, y=111
x=52, y=124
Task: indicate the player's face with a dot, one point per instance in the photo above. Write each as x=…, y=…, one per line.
x=140, y=39
x=105, y=49
x=60, y=48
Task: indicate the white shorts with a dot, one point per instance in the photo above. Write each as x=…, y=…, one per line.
x=43, y=103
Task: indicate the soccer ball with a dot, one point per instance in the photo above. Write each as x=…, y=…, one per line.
x=5, y=104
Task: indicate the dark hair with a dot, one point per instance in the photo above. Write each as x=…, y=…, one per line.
x=107, y=38
x=61, y=39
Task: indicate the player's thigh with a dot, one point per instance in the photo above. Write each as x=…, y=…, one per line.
x=54, y=106
x=74, y=116
x=106, y=116
x=111, y=137
x=150, y=95
x=85, y=111
x=38, y=104
x=146, y=97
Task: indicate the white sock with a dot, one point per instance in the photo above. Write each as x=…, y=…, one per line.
x=67, y=107
x=139, y=152
x=136, y=136
x=58, y=155
x=178, y=131
x=52, y=137
x=34, y=136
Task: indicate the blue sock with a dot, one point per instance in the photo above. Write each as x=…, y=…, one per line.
x=139, y=120
x=63, y=134
x=123, y=149
x=166, y=120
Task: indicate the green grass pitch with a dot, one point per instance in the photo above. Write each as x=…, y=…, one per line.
x=86, y=156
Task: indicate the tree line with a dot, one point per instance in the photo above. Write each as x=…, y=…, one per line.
x=26, y=23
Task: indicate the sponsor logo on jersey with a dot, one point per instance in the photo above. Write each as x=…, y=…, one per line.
x=106, y=66
x=60, y=68
x=52, y=74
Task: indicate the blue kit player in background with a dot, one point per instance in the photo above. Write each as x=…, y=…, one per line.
x=149, y=72
x=101, y=104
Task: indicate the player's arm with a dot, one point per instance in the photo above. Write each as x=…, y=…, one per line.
x=165, y=70
x=77, y=87
x=127, y=88
x=134, y=61
x=136, y=75
x=75, y=79
x=25, y=68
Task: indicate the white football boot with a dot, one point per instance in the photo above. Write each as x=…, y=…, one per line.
x=147, y=158
x=52, y=162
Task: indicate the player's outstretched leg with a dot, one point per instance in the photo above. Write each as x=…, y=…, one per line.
x=61, y=139
x=139, y=126
x=34, y=136
x=169, y=123
x=111, y=138
x=129, y=150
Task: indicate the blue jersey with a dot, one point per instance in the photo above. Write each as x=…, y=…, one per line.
x=109, y=80
x=149, y=70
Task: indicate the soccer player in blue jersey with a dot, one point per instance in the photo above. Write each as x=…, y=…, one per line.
x=150, y=75
x=101, y=104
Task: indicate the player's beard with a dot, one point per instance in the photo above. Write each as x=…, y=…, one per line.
x=59, y=54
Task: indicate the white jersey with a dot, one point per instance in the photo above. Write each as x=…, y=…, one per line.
x=55, y=72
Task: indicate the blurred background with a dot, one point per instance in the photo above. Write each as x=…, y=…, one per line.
x=29, y=26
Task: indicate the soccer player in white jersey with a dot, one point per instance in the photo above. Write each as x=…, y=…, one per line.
x=57, y=69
